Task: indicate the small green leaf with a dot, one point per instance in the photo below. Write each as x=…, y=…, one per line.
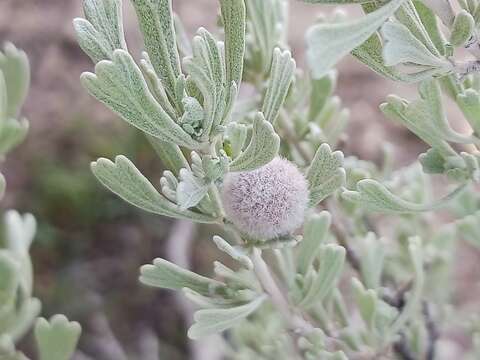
x=156, y=22
x=190, y=190
x=367, y=302
x=233, y=15
x=314, y=235
x=462, y=29
x=57, y=338
x=15, y=67
x=166, y=275
x=9, y=279
x=263, y=146
x=328, y=43
x=119, y=84
x=374, y=196
x=125, y=180
x=332, y=259
x=234, y=252
x=212, y=321
x=326, y=174
x=12, y=133
x=401, y=47
x=101, y=32
x=281, y=76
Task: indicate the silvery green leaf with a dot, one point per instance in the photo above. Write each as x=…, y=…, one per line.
x=267, y=27
x=469, y=103
x=156, y=22
x=155, y=86
x=21, y=321
x=401, y=47
x=216, y=302
x=19, y=233
x=215, y=168
x=233, y=16
x=372, y=255
x=325, y=174
x=331, y=258
x=15, y=67
x=234, y=252
x=374, y=196
x=469, y=228
x=56, y=339
x=183, y=41
x=166, y=275
x=101, y=32
x=8, y=351
x=212, y=321
x=462, y=29
x=236, y=134
x=314, y=235
x=432, y=162
x=417, y=118
x=426, y=117
x=9, y=279
x=119, y=84
x=190, y=190
x=263, y=146
x=328, y=43
x=321, y=90
x=281, y=76
x=125, y=180
x=12, y=133
x=170, y=154
x=367, y=302
x=429, y=21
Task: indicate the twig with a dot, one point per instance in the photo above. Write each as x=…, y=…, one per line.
x=179, y=247
x=432, y=331
x=402, y=349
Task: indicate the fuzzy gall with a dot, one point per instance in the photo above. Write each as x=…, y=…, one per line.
x=267, y=202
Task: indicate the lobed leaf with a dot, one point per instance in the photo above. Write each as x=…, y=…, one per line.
x=374, y=196
x=157, y=25
x=101, y=32
x=15, y=67
x=212, y=321
x=328, y=43
x=166, y=275
x=263, y=146
x=233, y=16
x=332, y=259
x=314, y=235
x=325, y=174
x=281, y=76
x=56, y=339
x=119, y=84
x=125, y=180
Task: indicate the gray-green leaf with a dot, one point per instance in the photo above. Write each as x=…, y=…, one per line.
x=57, y=338
x=328, y=43
x=119, y=84
x=326, y=174
x=263, y=146
x=166, y=275
x=212, y=321
x=125, y=180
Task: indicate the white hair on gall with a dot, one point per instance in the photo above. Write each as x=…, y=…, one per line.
x=267, y=202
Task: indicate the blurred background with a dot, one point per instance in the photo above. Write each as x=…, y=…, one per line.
x=90, y=244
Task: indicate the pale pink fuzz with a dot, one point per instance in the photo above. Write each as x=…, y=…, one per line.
x=266, y=202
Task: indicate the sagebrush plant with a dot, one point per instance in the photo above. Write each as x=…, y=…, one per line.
x=19, y=310
x=341, y=282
